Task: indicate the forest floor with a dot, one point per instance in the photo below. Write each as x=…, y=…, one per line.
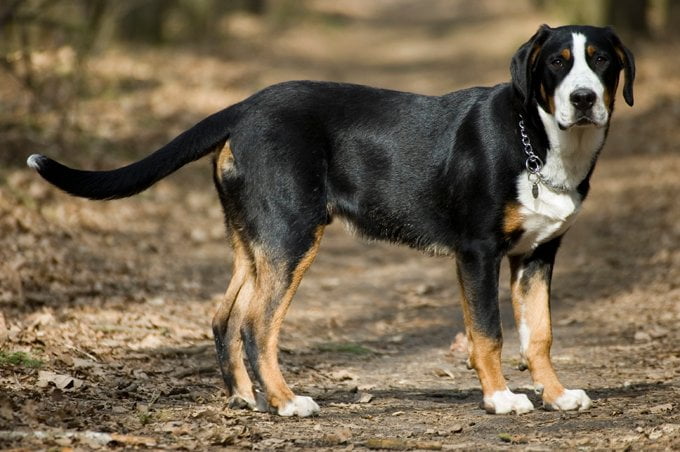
x=105, y=308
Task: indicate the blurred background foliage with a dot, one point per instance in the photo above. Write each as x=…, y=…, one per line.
x=45, y=44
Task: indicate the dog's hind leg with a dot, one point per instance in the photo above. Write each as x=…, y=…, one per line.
x=226, y=325
x=278, y=275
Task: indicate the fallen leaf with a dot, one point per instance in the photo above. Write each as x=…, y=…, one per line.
x=209, y=415
x=150, y=341
x=642, y=336
x=401, y=444
x=340, y=436
x=661, y=408
x=513, y=439
x=63, y=382
x=4, y=331
x=459, y=344
x=133, y=440
x=79, y=363
x=343, y=375
x=363, y=397
x=655, y=434
x=39, y=319
x=658, y=332
x=441, y=372
x=6, y=408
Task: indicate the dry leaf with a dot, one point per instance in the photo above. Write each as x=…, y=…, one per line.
x=63, y=382
x=43, y=318
x=6, y=408
x=343, y=375
x=133, y=440
x=363, y=397
x=402, y=444
x=661, y=408
x=339, y=436
x=4, y=330
x=441, y=372
x=459, y=344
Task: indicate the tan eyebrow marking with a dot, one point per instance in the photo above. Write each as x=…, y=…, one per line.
x=566, y=54
x=590, y=50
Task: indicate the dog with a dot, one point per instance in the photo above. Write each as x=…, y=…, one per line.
x=476, y=174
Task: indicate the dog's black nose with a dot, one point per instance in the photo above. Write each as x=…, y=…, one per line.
x=583, y=99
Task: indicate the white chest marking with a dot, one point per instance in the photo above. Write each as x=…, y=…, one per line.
x=545, y=217
x=571, y=155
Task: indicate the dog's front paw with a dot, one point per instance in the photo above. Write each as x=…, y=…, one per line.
x=300, y=406
x=571, y=399
x=502, y=402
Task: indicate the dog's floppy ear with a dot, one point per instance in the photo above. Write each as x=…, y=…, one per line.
x=627, y=63
x=524, y=63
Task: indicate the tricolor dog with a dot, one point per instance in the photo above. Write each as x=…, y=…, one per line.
x=477, y=174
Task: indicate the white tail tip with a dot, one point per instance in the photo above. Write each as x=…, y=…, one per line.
x=34, y=161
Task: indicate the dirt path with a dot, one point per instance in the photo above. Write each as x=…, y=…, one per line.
x=116, y=298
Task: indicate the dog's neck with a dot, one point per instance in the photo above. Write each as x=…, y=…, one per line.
x=572, y=152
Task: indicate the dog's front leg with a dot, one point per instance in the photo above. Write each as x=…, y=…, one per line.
x=478, y=271
x=530, y=281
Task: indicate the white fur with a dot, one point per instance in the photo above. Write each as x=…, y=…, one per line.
x=572, y=399
x=580, y=76
x=300, y=406
x=523, y=329
x=524, y=335
x=506, y=401
x=570, y=157
x=33, y=161
x=545, y=217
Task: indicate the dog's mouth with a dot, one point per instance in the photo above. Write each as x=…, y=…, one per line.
x=581, y=121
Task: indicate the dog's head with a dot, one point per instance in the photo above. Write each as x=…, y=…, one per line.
x=572, y=73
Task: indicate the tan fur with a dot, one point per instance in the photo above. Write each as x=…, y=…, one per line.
x=484, y=352
x=224, y=161
x=232, y=310
x=270, y=285
x=486, y=360
x=532, y=306
x=512, y=219
x=535, y=51
x=566, y=54
x=590, y=50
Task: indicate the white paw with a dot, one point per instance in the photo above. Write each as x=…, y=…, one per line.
x=571, y=399
x=300, y=406
x=502, y=402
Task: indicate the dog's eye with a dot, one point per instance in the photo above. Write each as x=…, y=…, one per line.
x=557, y=63
x=600, y=60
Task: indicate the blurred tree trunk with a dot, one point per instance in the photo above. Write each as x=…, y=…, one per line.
x=673, y=17
x=145, y=20
x=95, y=11
x=255, y=6
x=629, y=17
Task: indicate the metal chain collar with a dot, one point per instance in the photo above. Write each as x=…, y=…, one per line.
x=534, y=165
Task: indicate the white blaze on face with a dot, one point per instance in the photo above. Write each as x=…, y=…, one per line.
x=581, y=76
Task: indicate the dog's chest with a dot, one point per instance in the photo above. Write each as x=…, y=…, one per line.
x=545, y=217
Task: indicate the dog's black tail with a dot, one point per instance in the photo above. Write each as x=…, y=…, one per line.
x=203, y=138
